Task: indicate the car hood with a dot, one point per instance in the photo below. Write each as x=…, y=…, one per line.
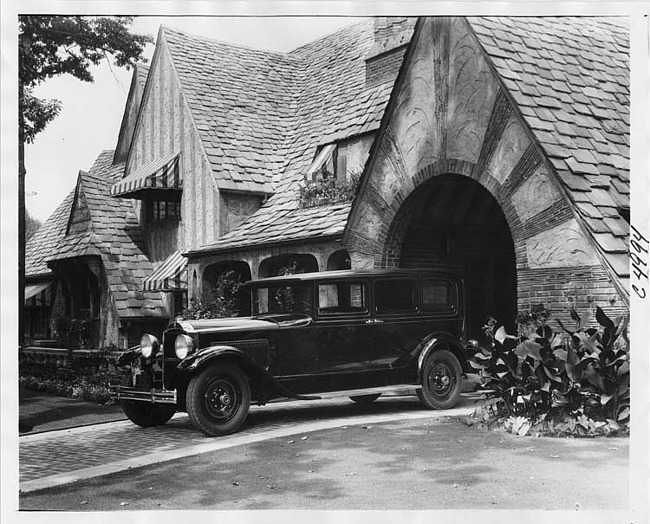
x=266, y=322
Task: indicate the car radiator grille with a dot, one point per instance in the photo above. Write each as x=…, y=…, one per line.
x=258, y=347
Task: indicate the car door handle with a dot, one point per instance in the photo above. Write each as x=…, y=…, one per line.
x=371, y=321
x=374, y=321
x=379, y=321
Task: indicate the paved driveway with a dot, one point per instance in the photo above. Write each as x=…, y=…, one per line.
x=424, y=463
x=60, y=457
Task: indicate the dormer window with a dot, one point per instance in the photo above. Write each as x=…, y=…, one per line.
x=324, y=166
x=328, y=180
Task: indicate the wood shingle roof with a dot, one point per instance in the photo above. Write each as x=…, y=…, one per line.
x=241, y=103
x=114, y=235
x=42, y=245
x=570, y=79
x=569, y=76
x=329, y=101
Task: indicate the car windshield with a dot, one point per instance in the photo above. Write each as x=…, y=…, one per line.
x=293, y=297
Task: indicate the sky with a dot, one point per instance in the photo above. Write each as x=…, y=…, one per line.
x=91, y=115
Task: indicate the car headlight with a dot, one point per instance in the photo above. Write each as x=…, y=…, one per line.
x=183, y=346
x=149, y=346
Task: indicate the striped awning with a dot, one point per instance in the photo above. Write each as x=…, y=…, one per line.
x=31, y=290
x=161, y=174
x=321, y=159
x=170, y=276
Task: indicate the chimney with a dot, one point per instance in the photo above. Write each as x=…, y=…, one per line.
x=391, y=37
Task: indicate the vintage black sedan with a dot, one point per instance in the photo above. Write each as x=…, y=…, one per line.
x=354, y=333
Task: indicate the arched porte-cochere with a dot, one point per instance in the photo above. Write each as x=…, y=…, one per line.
x=452, y=221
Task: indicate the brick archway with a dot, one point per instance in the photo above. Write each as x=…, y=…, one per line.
x=452, y=220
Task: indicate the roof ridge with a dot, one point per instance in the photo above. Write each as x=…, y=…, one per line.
x=365, y=20
x=167, y=29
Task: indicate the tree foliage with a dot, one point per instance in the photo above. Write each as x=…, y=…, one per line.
x=50, y=46
x=32, y=225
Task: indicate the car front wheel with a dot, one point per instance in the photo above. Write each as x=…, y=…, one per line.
x=145, y=414
x=442, y=380
x=218, y=399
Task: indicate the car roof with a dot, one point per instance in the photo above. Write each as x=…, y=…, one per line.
x=358, y=273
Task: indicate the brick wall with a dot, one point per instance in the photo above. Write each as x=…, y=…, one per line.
x=560, y=289
x=384, y=67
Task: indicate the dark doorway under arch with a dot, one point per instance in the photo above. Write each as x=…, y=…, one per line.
x=339, y=260
x=288, y=263
x=452, y=221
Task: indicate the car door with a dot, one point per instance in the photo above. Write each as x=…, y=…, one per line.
x=343, y=326
x=405, y=311
x=397, y=325
x=336, y=344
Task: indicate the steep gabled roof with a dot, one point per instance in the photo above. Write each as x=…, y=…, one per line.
x=241, y=102
x=569, y=77
x=42, y=246
x=331, y=102
x=115, y=235
x=571, y=81
x=131, y=109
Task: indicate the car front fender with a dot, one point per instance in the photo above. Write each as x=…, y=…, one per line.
x=198, y=361
x=128, y=357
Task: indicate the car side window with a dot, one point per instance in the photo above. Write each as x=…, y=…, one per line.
x=395, y=296
x=439, y=296
x=342, y=298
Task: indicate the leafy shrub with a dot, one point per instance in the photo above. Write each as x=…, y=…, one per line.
x=75, y=333
x=81, y=380
x=223, y=301
x=574, y=383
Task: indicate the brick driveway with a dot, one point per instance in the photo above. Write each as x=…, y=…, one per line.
x=60, y=457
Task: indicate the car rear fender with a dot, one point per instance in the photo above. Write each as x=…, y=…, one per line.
x=436, y=342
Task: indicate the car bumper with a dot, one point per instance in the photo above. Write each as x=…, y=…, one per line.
x=155, y=396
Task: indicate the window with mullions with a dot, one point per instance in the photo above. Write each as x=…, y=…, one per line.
x=163, y=210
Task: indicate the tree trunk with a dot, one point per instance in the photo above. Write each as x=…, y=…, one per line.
x=21, y=243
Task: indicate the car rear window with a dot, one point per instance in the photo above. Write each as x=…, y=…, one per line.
x=342, y=298
x=439, y=296
x=395, y=296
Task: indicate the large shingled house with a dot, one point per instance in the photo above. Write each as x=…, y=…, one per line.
x=499, y=146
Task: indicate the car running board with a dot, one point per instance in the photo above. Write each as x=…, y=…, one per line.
x=399, y=390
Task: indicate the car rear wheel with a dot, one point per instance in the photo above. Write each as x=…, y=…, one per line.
x=218, y=399
x=442, y=380
x=145, y=414
x=366, y=399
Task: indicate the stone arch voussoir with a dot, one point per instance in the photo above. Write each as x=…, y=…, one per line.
x=396, y=217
